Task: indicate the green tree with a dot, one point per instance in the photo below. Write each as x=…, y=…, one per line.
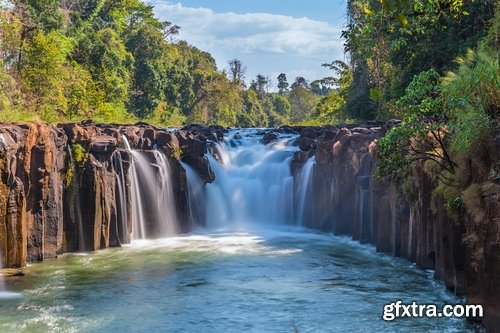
x=302, y=102
x=42, y=70
x=282, y=84
x=253, y=114
x=237, y=71
x=422, y=133
x=149, y=79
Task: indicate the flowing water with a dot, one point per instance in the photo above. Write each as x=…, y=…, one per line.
x=151, y=195
x=5, y=294
x=254, y=184
x=252, y=269
x=240, y=281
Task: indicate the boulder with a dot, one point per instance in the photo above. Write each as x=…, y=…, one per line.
x=269, y=137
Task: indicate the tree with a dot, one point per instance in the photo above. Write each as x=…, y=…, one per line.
x=261, y=85
x=42, y=69
x=422, y=133
x=282, y=84
x=280, y=111
x=300, y=82
x=302, y=102
x=170, y=30
x=237, y=71
x=111, y=65
x=149, y=80
x=253, y=114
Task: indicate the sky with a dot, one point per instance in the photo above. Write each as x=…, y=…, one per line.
x=268, y=36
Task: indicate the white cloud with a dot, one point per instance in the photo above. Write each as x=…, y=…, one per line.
x=229, y=35
x=252, y=32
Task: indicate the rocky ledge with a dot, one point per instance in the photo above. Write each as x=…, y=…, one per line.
x=57, y=179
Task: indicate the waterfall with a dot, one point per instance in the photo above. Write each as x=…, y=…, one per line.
x=152, y=200
x=253, y=182
x=196, y=196
x=121, y=200
x=304, y=190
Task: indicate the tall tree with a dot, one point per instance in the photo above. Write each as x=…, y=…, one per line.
x=237, y=71
x=261, y=85
x=282, y=84
x=300, y=82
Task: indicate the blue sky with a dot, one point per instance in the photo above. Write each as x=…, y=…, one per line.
x=269, y=36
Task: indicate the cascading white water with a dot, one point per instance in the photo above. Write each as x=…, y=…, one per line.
x=253, y=181
x=153, y=206
x=304, y=190
x=196, y=196
x=121, y=199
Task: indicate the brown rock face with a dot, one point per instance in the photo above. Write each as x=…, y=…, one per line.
x=67, y=188
x=411, y=223
x=32, y=158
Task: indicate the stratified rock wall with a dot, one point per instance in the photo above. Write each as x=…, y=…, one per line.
x=407, y=218
x=66, y=188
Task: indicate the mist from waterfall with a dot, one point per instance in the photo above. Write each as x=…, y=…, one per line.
x=4, y=293
x=152, y=200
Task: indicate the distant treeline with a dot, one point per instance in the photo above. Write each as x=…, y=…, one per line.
x=113, y=61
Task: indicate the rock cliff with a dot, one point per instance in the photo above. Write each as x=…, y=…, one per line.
x=65, y=188
x=408, y=217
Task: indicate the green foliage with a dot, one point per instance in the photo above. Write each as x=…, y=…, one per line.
x=282, y=83
x=302, y=102
x=421, y=134
x=328, y=109
x=421, y=99
x=392, y=41
x=113, y=61
x=473, y=98
x=80, y=156
x=253, y=114
x=446, y=119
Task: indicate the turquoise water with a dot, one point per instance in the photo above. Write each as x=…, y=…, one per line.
x=282, y=280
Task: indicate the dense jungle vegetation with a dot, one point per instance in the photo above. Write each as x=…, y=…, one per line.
x=113, y=61
x=426, y=62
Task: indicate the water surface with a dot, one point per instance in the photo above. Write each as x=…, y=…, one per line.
x=277, y=280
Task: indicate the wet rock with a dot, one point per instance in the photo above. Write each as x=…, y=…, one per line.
x=269, y=137
x=102, y=147
x=60, y=186
x=308, y=132
x=306, y=144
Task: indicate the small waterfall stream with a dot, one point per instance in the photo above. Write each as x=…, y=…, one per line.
x=304, y=190
x=152, y=200
x=196, y=196
x=2, y=282
x=4, y=292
